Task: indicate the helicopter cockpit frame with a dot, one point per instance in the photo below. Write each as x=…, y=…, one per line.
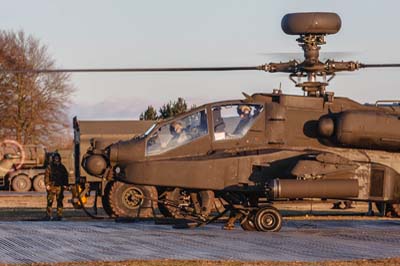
x=209, y=127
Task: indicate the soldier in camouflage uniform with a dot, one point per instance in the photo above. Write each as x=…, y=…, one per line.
x=56, y=180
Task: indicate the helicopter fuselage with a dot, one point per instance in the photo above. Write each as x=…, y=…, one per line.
x=307, y=140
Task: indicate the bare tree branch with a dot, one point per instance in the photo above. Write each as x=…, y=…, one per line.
x=32, y=105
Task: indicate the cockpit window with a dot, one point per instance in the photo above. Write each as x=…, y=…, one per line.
x=233, y=121
x=177, y=133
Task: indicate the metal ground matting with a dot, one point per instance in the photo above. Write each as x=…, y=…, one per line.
x=28, y=242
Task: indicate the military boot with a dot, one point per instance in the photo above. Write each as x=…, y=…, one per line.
x=59, y=215
x=47, y=218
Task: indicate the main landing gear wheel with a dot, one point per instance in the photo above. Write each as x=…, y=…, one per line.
x=105, y=200
x=131, y=201
x=268, y=219
x=247, y=223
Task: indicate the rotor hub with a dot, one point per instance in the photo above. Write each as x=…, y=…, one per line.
x=312, y=28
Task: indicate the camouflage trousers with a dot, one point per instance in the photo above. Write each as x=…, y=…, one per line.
x=58, y=193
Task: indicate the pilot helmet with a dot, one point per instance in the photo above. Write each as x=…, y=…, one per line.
x=176, y=127
x=244, y=110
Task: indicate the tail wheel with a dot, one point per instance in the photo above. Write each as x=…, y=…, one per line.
x=38, y=183
x=248, y=222
x=268, y=219
x=21, y=183
x=131, y=201
x=181, y=198
x=105, y=200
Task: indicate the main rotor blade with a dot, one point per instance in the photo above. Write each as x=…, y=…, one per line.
x=161, y=69
x=378, y=65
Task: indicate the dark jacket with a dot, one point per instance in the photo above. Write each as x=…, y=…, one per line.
x=56, y=175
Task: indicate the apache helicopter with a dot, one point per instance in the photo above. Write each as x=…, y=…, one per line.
x=267, y=146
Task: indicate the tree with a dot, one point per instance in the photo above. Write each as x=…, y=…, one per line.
x=149, y=114
x=173, y=108
x=179, y=106
x=33, y=106
x=168, y=110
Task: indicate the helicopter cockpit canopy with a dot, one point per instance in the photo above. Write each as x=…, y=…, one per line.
x=178, y=132
x=234, y=120
x=229, y=121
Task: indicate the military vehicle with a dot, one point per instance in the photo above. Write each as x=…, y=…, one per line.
x=23, y=168
x=268, y=146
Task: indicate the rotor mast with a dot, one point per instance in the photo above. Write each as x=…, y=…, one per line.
x=312, y=28
x=311, y=44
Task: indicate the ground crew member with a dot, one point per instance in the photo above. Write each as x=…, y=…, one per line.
x=56, y=180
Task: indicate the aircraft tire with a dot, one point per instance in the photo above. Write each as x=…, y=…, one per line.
x=125, y=200
x=105, y=200
x=268, y=219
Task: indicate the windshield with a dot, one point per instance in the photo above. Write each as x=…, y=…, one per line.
x=234, y=120
x=177, y=133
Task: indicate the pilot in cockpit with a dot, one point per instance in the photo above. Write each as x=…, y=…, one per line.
x=178, y=133
x=244, y=112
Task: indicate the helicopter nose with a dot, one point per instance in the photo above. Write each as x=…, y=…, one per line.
x=95, y=164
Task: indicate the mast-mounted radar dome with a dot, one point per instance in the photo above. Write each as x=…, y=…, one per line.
x=311, y=23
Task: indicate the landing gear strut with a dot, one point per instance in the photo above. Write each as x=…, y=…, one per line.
x=247, y=222
x=181, y=204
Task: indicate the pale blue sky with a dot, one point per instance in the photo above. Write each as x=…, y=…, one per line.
x=198, y=33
